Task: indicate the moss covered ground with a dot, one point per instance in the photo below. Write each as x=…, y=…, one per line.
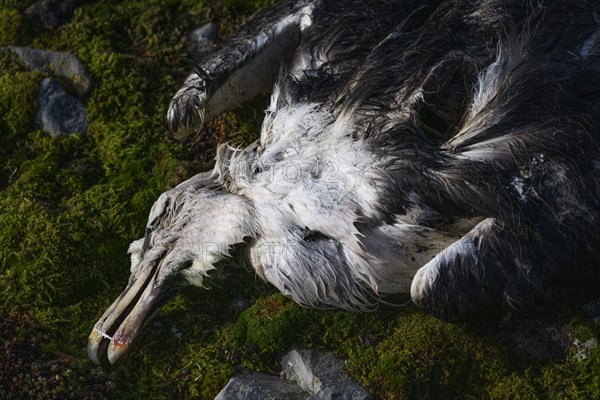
x=69, y=207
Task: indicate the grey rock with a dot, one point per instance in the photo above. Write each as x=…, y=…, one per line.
x=239, y=304
x=201, y=41
x=322, y=375
x=50, y=14
x=61, y=64
x=257, y=386
x=583, y=349
x=59, y=113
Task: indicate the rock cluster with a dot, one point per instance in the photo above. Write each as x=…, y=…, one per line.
x=57, y=64
x=309, y=375
x=59, y=113
x=49, y=14
x=250, y=385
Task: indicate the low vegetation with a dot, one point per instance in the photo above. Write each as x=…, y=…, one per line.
x=70, y=206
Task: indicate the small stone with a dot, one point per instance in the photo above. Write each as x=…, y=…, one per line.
x=49, y=14
x=257, y=386
x=583, y=349
x=201, y=41
x=61, y=64
x=59, y=113
x=239, y=304
x=322, y=375
x=176, y=332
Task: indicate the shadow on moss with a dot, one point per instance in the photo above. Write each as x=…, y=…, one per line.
x=26, y=371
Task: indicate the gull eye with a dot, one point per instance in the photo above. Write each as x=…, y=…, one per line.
x=186, y=265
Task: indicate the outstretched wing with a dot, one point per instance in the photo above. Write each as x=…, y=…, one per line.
x=242, y=67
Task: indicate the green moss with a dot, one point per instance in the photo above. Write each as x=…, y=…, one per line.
x=576, y=378
x=29, y=373
x=208, y=370
x=14, y=30
x=18, y=107
x=18, y=103
x=271, y=325
x=70, y=206
x=423, y=357
x=584, y=329
x=515, y=387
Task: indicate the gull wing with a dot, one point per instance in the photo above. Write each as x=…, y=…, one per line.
x=241, y=68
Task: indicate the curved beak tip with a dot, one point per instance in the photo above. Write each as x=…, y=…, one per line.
x=121, y=324
x=95, y=347
x=91, y=350
x=100, y=344
x=115, y=352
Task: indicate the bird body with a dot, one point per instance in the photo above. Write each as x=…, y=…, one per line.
x=446, y=149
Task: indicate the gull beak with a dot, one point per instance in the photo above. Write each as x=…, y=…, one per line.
x=126, y=318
